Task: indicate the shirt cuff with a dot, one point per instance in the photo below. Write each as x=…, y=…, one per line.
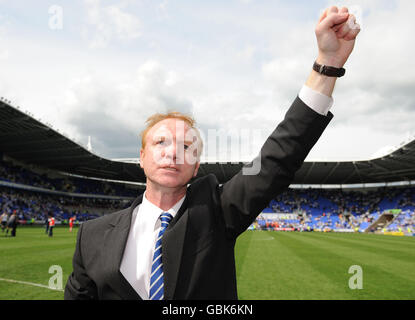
x=317, y=101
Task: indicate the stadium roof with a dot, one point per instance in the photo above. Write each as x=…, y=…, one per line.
x=28, y=140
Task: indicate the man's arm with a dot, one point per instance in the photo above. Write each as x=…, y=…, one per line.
x=245, y=196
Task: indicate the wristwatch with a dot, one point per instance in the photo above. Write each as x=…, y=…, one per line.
x=329, y=71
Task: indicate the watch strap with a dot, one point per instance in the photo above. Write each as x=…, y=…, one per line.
x=329, y=71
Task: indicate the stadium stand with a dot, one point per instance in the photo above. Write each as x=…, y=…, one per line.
x=38, y=166
x=339, y=210
x=34, y=195
x=14, y=173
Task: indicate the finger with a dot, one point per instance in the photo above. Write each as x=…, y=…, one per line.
x=332, y=19
x=346, y=26
x=344, y=10
x=332, y=9
x=323, y=16
x=336, y=27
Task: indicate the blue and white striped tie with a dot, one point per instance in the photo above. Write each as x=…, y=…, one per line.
x=156, y=278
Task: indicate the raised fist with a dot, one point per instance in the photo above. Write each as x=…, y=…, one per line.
x=336, y=32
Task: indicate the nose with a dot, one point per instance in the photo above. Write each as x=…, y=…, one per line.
x=174, y=152
x=170, y=151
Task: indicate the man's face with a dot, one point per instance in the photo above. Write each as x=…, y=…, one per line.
x=169, y=158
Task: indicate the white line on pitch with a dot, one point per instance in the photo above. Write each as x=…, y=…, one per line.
x=30, y=284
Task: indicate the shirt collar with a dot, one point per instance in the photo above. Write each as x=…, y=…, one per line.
x=156, y=211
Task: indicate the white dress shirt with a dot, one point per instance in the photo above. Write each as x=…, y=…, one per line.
x=317, y=101
x=145, y=223
x=139, y=250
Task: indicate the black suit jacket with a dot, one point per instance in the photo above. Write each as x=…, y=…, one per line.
x=198, y=245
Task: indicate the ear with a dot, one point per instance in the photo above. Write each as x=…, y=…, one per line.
x=196, y=169
x=141, y=157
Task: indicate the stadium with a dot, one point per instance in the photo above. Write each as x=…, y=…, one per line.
x=335, y=217
x=95, y=70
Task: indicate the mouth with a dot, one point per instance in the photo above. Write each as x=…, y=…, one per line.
x=170, y=168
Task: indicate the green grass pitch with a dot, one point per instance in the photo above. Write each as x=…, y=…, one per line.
x=270, y=265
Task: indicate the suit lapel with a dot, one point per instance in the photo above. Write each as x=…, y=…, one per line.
x=172, y=244
x=115, y=239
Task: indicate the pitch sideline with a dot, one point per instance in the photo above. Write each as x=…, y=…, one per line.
x=30, y=284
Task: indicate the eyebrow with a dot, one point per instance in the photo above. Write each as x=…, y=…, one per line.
x=163, y=137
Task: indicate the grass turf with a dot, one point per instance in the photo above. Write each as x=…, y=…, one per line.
x=279, y=265
x=270, y=265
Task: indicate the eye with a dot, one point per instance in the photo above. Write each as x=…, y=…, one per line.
x=161, y=141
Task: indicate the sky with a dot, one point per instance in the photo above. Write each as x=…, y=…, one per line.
x=98, y=69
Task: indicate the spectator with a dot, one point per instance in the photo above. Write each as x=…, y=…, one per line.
x=51, y=224
x=3, y=218
x=47, y=223
x=12, y=224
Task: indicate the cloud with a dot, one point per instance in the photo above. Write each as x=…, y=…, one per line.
x=162, y=11
x=108, y=23
x=378, y=90
x=113, y=111
x=4, y=25
x=233, y=67
x=247, y=53
x=374, y=102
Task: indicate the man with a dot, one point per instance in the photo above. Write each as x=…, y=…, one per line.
x=177, y=241
x=47, y=223
x=3, y=218
x=12, y=224
x=51, y=221
x=71, y=222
